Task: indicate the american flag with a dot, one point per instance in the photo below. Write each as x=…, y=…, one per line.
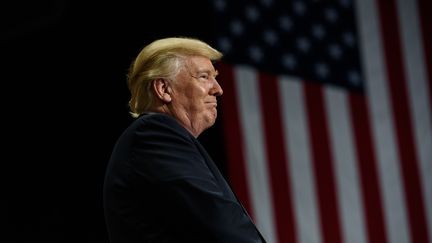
x=327, y=117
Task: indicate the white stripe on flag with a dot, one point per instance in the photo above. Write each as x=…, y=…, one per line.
x=345, y=163
x=382, y=123
x=256, y=164
x=419, y=97
x=300, y=164
x=359, y=196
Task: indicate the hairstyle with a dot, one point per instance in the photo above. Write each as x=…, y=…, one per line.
x=162, y=58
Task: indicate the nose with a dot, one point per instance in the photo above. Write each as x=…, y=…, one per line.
x=216, y=89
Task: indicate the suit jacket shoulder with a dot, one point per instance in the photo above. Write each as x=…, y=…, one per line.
x=161, y=186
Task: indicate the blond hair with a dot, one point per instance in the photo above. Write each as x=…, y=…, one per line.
x=161, y=59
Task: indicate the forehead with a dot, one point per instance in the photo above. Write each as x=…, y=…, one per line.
x=199, y=64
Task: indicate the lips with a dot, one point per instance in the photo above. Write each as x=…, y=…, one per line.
x=212, y=103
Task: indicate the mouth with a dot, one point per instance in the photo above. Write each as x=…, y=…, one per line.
x=214, y=104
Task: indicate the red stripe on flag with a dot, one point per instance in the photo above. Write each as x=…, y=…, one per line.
x=277, y=159
x=322, y=161
x=367, y=167
x=233, y=133
x=425, y=8
x=402, y=118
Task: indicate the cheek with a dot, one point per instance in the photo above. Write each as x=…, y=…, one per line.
x=198, y=93
x=195, y=95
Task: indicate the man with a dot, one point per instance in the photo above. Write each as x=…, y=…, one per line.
x=160, y=184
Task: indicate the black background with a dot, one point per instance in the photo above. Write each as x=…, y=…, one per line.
x=64, y=103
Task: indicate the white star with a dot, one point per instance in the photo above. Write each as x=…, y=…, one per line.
x=303, y=44
x=335, y=51
x=345, y=3
x=236, y=27
x=220, y=5
x=252, y=13
x=348, y=39
x=318, y=31
x=256, y=53
x=224, y=44
x=321, y=70
x=289, y=61
x=285, y=23
x=270, y=37
x=267, y=3
x=299, y=8
x=331, y=15
x=354, y=77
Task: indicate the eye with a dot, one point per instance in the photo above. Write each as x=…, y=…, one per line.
x=204, y=76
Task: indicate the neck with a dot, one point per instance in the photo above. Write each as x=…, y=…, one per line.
x=181, y=117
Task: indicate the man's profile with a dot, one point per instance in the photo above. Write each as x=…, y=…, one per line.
x=160, y=183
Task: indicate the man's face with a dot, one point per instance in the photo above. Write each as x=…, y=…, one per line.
x=194, y=93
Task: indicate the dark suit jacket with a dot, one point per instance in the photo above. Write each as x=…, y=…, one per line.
x=162, y=186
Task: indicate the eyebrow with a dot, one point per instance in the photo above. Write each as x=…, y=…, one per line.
x=216, y=72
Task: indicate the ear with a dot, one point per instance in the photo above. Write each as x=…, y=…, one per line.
x=162, y=89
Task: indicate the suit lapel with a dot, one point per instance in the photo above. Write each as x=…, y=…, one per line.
x=221, y=180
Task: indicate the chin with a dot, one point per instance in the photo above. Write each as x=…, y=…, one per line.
x=211, y=119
